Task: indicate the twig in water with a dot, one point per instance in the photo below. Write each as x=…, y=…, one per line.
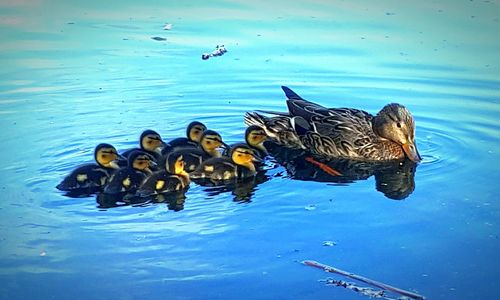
x=381, y=285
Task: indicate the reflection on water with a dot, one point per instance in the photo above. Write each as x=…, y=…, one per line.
x=395, y=179
x=241, y=189
x=174, y=200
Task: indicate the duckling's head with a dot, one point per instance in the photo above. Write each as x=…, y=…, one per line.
x=141, y=161
x=151, y=141
x=106, y=156
x=394, y=122
x=195, y=130
x=175, y=164
x=255, y=136
x=242, y=154
x=210, y=141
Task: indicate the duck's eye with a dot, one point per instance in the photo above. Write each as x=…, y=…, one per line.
x=398, y=124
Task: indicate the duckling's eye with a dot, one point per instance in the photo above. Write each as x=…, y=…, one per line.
x=398, y=124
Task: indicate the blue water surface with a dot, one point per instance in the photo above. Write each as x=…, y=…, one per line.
x=78, y=73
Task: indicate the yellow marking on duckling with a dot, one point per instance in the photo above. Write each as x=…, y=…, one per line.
x=209, y=168
x=227, y=175
x=81, y=177
x=160, y=184
x=126, y=182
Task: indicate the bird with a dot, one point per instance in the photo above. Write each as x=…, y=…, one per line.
x=150, y=142
x=255, y=137
x=172, y=178
x=194, y=132
x=341, y=132
x=210, y=142
x=92, y=176
x=128, y=179
x=240, y=164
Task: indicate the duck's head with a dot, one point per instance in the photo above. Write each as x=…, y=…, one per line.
x=195, y=130
x=394, y=122
x=141, y=161
x=242, y=154
x=175, y=164
x=211, y=141
x=106, y=156
x=255, y=136
x=151, y=141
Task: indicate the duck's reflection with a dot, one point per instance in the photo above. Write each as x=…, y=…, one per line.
x=241, y=189
x=394, y=179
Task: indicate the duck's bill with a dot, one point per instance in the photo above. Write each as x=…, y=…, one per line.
x=160, y=148
x=225, y=146
x=256, y=159
x=411, y=152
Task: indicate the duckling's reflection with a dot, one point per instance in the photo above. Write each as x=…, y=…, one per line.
x=115, y=200
x=174, y=200
x=394, y=179
x=241, y=189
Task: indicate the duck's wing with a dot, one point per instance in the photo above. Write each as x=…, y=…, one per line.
x=344, y=133
x=298, y=106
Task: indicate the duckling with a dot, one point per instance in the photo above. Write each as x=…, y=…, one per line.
x=240, y=164
x=128, y=179
x=92, y=176
x=150, y=142
x=194, y=132
x=341, y=132
x=173, y=178
x=209, y=143
x=255, y=137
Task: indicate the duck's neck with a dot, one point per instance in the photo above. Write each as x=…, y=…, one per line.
x=184, y=178
x=214, y=153
x=376, y=124
x=261, y=147
x=249, y=166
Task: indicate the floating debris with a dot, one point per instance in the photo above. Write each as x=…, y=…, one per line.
x=310, y=207
x=372, y=293
x=219, y=51
x=405, y=294
x=158, y=38
x=43, y=253
x=329, y=243
x=167, y=26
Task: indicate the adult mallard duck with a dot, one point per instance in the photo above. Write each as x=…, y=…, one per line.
x=341, y=132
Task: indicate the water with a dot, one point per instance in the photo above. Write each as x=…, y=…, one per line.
x=75, y=74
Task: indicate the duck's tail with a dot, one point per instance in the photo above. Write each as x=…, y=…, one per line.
x=279, y=129
x=253, y=118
